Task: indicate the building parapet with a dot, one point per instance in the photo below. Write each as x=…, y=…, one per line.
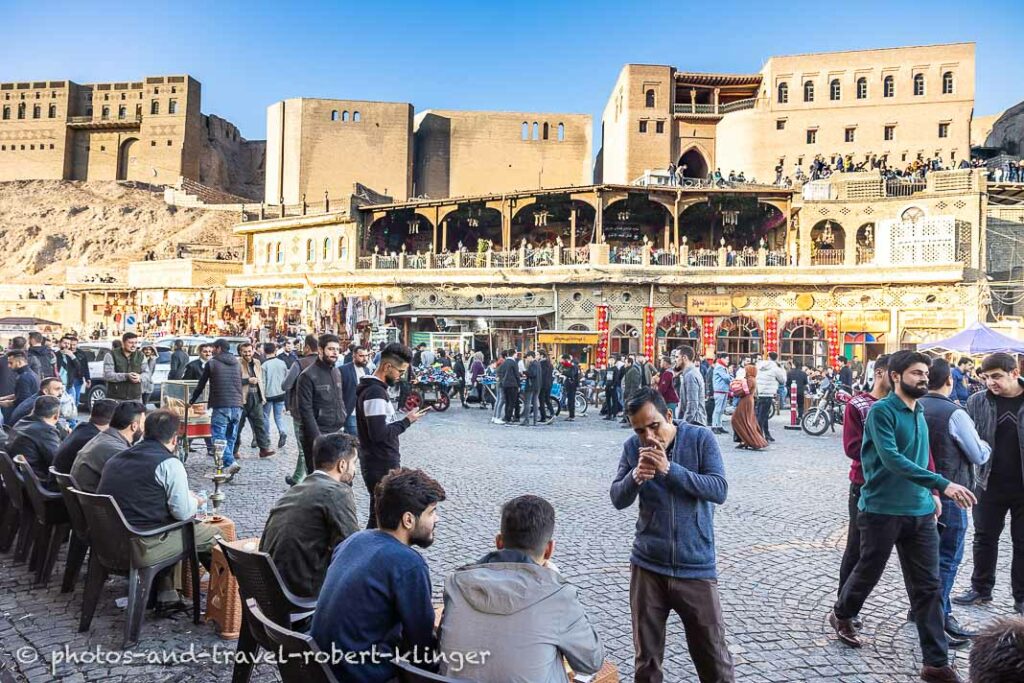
x=186, y=273
x=872, y=185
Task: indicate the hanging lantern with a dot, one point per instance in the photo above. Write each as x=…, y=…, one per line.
x=601, y=313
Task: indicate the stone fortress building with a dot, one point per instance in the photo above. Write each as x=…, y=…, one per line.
x=903, y=103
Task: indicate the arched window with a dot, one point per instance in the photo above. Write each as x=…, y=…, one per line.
x=783, y=93
x=835, y=90
x=888, y=87
x=740, y=337
x=862, y=88
x=545, y=130
x=918, y=85
x=334, y=115
x=310, y=251
x=342, y=249
x=37, y=111
x=270, y=252
x=172, y=107
x=803, y=342
x=53, y=111
x=356, y=117
x=649, y=99
x=344, y=115
x=524, y=133
x=625, y=339
x=947, y=83
x=138, y=110
x=808, y=91
x=327, y=249
x=21, y=110
x=154, y=107
x=536, y=131
x=7, y=113
x=561, y=132
x=279, y=253
x=105, y=113
x=122, y=112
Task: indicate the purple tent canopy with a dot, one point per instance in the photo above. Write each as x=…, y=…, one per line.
x=975, y=340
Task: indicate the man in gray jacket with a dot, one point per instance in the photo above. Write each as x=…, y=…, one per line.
x=125, y=429
x=770, y=376
x=692, y=407
x=516, y=592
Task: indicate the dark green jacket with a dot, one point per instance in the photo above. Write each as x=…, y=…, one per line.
x=894, y=455
x=116, y=367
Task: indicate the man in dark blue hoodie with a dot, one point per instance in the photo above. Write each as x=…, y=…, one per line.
x=676, y=470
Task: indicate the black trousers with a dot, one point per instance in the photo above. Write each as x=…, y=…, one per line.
x=763, y=408
x=570, y=398
x=852, y=552
x=800, y=404
x=916, y=540
x=511, y=402
x=545, y=403
x=989, y=519
x=371, y=477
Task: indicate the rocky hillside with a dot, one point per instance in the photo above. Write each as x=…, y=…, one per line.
x=48, y=225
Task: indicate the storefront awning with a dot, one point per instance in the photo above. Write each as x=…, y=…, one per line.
x=514, y=314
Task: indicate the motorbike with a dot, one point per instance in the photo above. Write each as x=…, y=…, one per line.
x=828, y=411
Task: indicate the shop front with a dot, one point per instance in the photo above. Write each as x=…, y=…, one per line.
x=920, y=326
x=580, y=344
x=864, y=334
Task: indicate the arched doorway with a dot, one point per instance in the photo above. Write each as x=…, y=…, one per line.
x=124, y=158
x=628, y=222
x=828, y=242
x=693, y=164
x=471, y=224
x=550, y=218
x=741, y=221
x=625, y=340
x=803, y=342
x=399, y=228
x=678, y=329
x=740, y=337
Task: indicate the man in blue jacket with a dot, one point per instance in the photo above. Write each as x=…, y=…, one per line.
x=676, y=470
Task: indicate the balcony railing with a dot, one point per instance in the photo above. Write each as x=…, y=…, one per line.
x=691, y=108
x=828, y=257
x=901, y=188
x=704, y=258
x=737, y=105
x=577, y=256
x=865, y=255
x=626, y=256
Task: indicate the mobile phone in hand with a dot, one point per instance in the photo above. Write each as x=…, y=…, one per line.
x=425, y=410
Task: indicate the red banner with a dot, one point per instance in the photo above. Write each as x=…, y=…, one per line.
x=832, y=339
x=601, y=356
x=708, y=335
x=771, y=332
x=649, y=333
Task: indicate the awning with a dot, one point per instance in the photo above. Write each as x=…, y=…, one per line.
x=471, y=313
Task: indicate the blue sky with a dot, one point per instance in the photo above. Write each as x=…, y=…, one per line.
x=530, y=56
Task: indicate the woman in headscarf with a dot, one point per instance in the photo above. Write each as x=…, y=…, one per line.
x=148, y=369
x=744, y=421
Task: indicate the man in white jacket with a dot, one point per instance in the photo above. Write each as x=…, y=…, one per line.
x=770, y=376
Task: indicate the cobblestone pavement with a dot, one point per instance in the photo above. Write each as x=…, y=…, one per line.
x=780, y=537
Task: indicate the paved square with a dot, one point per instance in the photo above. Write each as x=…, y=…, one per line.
x=780, y=536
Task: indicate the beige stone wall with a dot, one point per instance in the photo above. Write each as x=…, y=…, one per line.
x=160, y=149
x=627, y=152
x=330, y=240
x=309, y=151
x=462, y=153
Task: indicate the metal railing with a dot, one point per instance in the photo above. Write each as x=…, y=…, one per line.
x=626, y=256
x=865, y=255
x=664, y=258
x=538, y=257
x=901, y=188
x=577, y=256
x=473, y=259
x=387, y=261
x=704, y=258
x=775, y=259
x=741, y=260
x=828, y=257
x=505, y=259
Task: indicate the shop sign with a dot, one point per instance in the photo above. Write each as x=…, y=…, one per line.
x=573, y=337
x=709, y=304
x=951, y=320
x=875, y=322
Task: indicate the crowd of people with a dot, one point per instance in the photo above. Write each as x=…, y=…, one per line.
x=919, y=460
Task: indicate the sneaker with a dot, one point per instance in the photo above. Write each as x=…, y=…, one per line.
x=498, y=421
x=281, y=440
x=232, y=471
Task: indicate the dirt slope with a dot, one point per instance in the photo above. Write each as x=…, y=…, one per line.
x=48, y=225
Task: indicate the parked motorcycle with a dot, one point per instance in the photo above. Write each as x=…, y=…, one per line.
x=828, y=412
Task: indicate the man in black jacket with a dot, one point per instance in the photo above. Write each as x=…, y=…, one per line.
x=319, y=396
x=797, y=377
x=309, y=356
x=375, y=421
x=194, y=369
x=224, y=375
x=547, y=378
x=40, y=357
x=36, y=438
x=570, y=383
x=313, y=517
x=179, y=360
x=99, y=419
x=508, y=380
x=85, y=378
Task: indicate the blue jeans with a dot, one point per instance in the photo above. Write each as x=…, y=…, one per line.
x=278, y=409
x=716, y=419
x=224, y=425
x=76, y=390
x=951, y=548
x=350, y=424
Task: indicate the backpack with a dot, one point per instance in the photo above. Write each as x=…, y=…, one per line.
x=739, y=387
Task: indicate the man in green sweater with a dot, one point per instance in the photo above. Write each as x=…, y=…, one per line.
x=899, y=506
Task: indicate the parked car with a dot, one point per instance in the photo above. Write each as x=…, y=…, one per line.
x=97, y=350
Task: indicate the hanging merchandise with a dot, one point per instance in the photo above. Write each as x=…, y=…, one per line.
x=649, y=331
x=708, y=335
x=832, y=339
x=771, y=332
x=601, y=357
